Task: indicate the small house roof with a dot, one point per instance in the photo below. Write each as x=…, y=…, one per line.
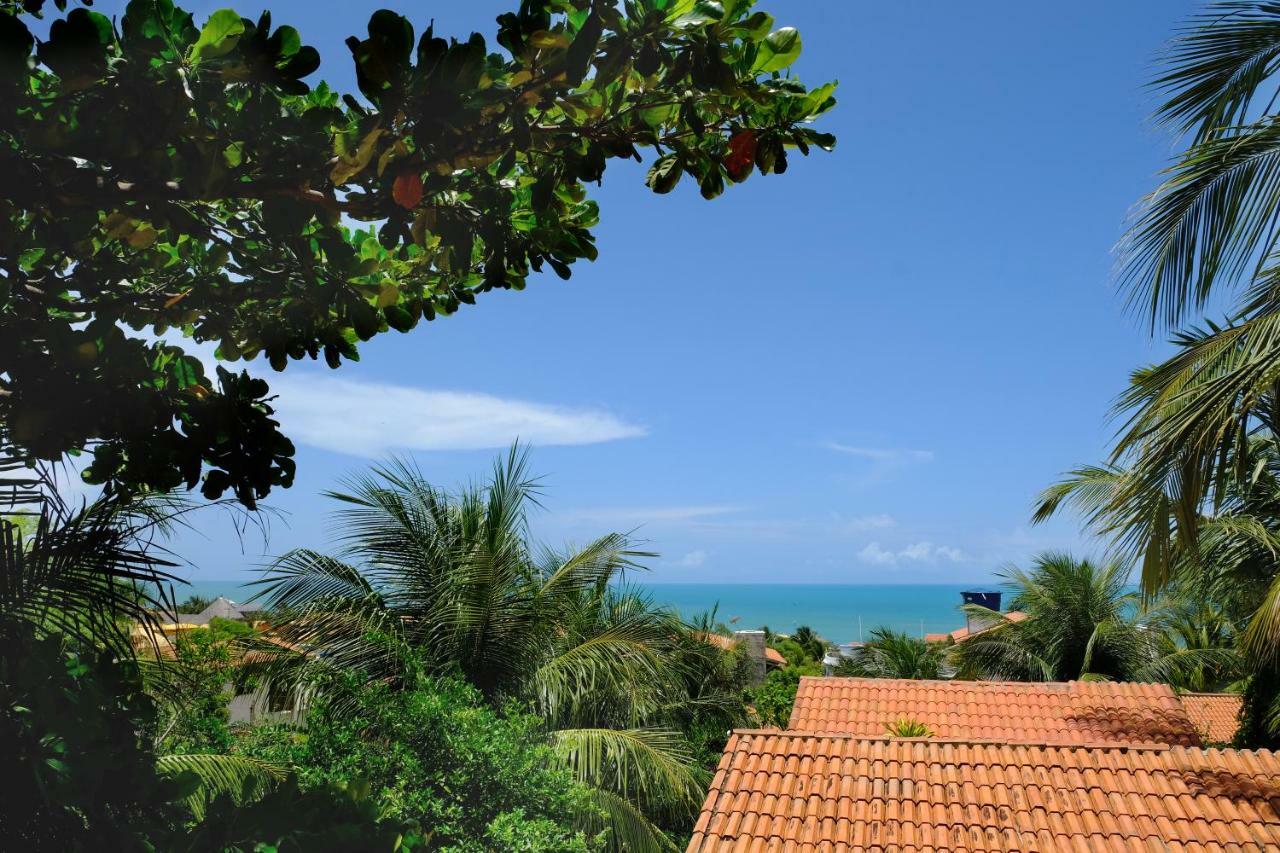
x=803, y=791
x=1065, y=712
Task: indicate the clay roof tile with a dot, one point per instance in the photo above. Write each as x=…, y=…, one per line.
x=1084, y=713
x=960, y=795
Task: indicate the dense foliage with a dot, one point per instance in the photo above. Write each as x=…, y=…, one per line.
x=163, y=177
x=435, y=754
x=631, y=696
x=206, y=664
x=80, y=774
x=803, y=650
x=78, y=719
x=774, y=699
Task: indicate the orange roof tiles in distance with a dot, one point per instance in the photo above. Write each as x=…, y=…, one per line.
x=1070, y=712
x=789, y=791
x=962, y=634
x=771, y=654
x=1215, y=715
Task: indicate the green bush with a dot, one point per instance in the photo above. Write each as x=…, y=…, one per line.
x=774, y=698
x=74, y=752
x=80, y=774
x=201, y=721
x=477, y=779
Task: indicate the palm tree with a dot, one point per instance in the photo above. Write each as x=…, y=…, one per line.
x=85, y=573
x=1080, y=625
x=75, y=580
x=449, y=582
x=894, y=654
x=1209, y=228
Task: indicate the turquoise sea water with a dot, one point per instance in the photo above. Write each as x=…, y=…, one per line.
x=833, y=610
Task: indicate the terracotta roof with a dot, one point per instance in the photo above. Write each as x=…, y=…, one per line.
x=962, y=634
x=771, y=654
x=1071, y=712
x=793, y=791
x=1216, y=715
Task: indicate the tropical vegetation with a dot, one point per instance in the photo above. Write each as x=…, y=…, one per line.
x=1188, y=493
x=894, y=654
x=190, y=181
x=448, y=584
x=79, y=709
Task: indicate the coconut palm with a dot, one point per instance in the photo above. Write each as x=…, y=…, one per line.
x=1220, y=592
x=1080, y=625
x=1209, y=230
x=75, y=580
x=894, y=654
x=450, y=582
x=86, y=573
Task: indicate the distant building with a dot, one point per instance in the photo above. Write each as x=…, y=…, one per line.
x=220, y=608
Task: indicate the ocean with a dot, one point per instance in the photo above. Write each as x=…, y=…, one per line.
x=839, y=612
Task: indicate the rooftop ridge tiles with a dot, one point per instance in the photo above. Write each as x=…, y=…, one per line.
x=1114, y=686
x=1111, y=746
x=1104, y=746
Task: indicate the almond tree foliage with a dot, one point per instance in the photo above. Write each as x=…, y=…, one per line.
x=157, y=177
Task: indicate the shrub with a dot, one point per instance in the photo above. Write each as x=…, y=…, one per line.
x=474, y=778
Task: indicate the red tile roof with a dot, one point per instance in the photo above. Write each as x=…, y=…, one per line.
x=962, y=634
x=1069, y=712
x=789, y=791
x=1216, y=715
x=771, y=654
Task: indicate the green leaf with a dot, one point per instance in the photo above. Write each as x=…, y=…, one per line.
x=218, y=36
x=777, y=51
x=703, y=12
x=665, y=173
x=755, y=26
x=825, y=141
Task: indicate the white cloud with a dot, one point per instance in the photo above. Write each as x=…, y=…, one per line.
x=882, y=455
x=873, y=553
x=919, y=552
x=694, y=559
x=371, y=418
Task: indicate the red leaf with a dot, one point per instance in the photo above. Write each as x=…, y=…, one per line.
x=407, y=190
x=741, y=155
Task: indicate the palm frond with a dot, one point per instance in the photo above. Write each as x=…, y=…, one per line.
x=1217, y=66
x=239, y=777
x=627, y=827
x=302, y=576
x=643, y=765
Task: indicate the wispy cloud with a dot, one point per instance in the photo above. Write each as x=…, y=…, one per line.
x=882, y=455
x=919, y=552
x=861, y=523
x=694, y=559
x=634, y=516
x=371, y=418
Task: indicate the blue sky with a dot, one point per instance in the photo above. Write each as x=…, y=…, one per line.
x=861, y=371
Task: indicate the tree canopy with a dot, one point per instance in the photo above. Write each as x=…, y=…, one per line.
x=163, y=182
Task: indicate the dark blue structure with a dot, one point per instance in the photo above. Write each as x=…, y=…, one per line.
x=983, y=598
